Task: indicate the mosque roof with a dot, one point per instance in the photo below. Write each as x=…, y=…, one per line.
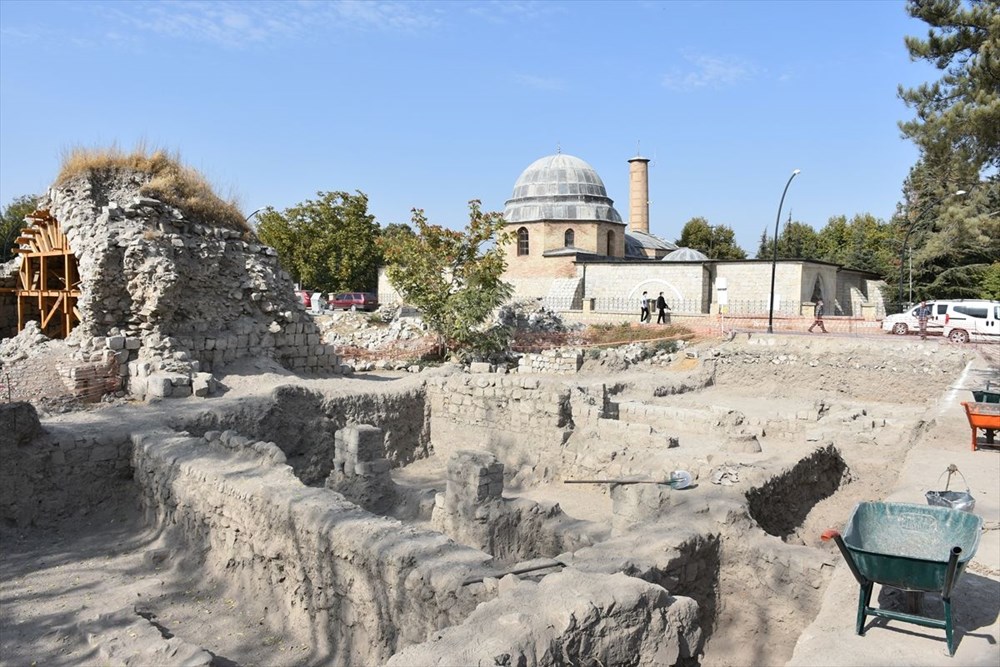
x=560, y=187
x=685, y=255
x=636, y=242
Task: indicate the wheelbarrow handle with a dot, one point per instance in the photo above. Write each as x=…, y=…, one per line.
x=833, y=534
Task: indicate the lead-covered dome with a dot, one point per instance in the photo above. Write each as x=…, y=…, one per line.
x=560, y=187
x=685, y=255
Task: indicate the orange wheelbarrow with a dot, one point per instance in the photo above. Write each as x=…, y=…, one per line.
x=984, y=416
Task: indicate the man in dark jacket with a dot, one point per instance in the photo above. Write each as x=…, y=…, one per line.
x=819, y=317
x=661, y=306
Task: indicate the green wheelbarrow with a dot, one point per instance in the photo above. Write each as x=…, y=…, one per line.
x=915, y=548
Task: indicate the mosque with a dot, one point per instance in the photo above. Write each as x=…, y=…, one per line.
x=570, y=248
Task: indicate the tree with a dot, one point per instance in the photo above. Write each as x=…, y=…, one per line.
x=958, y=115
x=991, y=282
x=957, y=131
x=865, y=243
x=328, y=244
x=454, y=278
x=12, y=221
x=716, y=241
x=797, y=241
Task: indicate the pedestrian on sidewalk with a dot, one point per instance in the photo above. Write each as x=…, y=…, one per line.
x=923, y=313
x=662, y=307
x=644, y=308
x=818, y=314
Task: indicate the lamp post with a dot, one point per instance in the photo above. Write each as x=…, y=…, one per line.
x=774, y=260
x=906, y=240
x=254, y=213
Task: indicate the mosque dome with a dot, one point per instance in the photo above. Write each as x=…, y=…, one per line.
x=560, y=187
x=685, y=255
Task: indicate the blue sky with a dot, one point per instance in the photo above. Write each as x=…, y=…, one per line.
x=430, y=104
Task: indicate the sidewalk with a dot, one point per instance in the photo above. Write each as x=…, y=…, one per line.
x=831, y=640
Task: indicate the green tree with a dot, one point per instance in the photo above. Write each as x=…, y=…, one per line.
x=956, y=128
x=454, y=278
x=864, y=242
x=12, y=221
x=328, y=244
x=991, y=282
x=716, y=241
x=797, y=241
x=957, y=116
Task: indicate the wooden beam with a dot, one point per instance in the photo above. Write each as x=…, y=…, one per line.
x=47, y=317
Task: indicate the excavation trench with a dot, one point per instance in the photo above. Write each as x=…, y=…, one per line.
x=316, y=546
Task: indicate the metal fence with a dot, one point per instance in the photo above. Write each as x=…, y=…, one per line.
x=626, y=305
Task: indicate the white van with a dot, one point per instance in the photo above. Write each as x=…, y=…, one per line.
x=972, y=319
x=906, y=321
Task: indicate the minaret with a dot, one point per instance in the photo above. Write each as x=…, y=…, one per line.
x=638, y=194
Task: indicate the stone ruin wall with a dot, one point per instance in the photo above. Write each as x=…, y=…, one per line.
x=520, y=419
x=51, y=473
x=364, y=584
x=193, y=295
x=305, y=422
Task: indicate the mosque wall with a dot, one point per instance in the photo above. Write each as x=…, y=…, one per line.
x=750, y=283
x=684, y=285
x=534, y=265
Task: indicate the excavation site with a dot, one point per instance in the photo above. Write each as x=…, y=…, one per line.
x=409, y=519
x=192, y=474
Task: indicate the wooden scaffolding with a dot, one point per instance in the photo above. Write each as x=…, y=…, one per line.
x=48, y=281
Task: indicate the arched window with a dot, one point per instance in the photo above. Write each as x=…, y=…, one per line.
x=568, y=238
x=522, y=241
x=611, y=244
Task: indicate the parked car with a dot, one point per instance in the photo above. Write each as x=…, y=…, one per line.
x=973, y=319
x=358, y=300
x=906, y=321
x=305, y=296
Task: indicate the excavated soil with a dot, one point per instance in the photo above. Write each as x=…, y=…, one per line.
x=834, y=433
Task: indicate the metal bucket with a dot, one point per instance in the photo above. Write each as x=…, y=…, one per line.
x=956, y=500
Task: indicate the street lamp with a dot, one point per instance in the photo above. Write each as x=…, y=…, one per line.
x=254, y=213
x=906, y=239
x=774, y=261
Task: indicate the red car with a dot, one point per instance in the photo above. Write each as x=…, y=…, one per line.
x=305, y=296
x=359, y=300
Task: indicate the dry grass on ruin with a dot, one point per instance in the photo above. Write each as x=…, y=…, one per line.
x=170, y=181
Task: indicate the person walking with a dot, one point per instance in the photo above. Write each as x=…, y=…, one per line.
x=818, y=314
x=923, y=313
x=662, y=307
x=644, y=308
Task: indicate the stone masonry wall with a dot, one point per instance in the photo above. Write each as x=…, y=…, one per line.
x=196, y=295
x=49, y=474
x=550, y=361
x=517, y=418
x=360, y=586
x=304, y=424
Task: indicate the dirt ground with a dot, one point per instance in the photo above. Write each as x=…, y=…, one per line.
x=104, y=559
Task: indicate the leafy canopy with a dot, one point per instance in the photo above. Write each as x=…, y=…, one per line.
x=959, y=114
x=716, y=241
x=12, y=221
x=327, y=244
x=453, y=277
x=864, y=242
x=956, y=128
